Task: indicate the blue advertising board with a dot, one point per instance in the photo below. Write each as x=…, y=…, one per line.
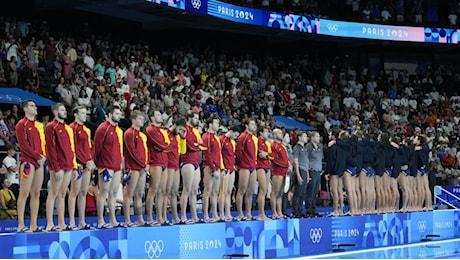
x=257, y=239
x=313, y=25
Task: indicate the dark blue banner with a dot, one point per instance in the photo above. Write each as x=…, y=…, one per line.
x=293, y=22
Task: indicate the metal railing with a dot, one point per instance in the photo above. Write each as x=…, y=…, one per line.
x=438, y=199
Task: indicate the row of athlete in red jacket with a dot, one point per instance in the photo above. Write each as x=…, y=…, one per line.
x=71, y=156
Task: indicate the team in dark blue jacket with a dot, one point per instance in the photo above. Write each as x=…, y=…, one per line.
x=374, y=172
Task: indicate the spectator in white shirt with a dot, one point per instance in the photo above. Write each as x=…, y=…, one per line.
x=12, y=167
x=88, y=61
x=386, y=15
x=371, y=86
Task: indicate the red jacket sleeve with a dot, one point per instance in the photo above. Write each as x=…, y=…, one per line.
x=278, y=157
x=240, y=145
x=51, y=152
x=97, y=145
x=158, y=140
x=267, y=148
x=129, y=144
x=207, y=153
x=24, y=145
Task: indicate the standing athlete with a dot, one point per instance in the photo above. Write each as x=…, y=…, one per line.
x=83, y=151
x=280, y=166
x=136, y=156
x=190, y=168
x=246, y=161
x=108, y=152
x=263, y=169
x=213, y=164
x=62, y=164
x=158, y=144
x=31, y=139
x=176, y=134
x=228, y=144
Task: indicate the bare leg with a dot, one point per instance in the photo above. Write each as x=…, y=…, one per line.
x=378, y=192
x=174, y=178
x=334, y=182
x=128, y=193
x=372, y=196
x=194, y=193
x=139, y=192
x=187, y=184
x=161, y=200
x=341, y=198
x=30, y=185
x=348, y=183
x=250, y=192
x=81, y=200
x=264, y=179
x=60, y=202
x=279, y=199
x=363, y=192
x=221, y=195
x=420, y=192
x=73, y=194
x=112, y=199
x=395, y=195
x=402, y=180
x=208, y=186
x=228, y=194
x=214, y=194
x=243, y=183
x=104, y=188
x=35, y=196
x=154, y=183
x=386, y=182
x=359, y=208
x=277, y=186
x=428, y=197
x=56, y=179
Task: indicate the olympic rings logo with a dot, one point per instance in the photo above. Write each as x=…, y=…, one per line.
x=315, y=235
x=332, y=27
x=154, y=248
x=196, y=4
x=421, y=226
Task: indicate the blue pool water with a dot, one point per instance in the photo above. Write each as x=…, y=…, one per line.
x=446, y=249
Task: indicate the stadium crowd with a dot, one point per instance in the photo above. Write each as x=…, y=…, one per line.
x=182, y=89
